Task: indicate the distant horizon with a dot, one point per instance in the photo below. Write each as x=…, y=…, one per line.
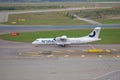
x=59, y=1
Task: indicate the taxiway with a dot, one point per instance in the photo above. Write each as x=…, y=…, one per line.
x=69, y=63
x=17, y=28
x=63, y=64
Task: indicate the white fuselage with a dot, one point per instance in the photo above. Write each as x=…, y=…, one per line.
x=68, y=41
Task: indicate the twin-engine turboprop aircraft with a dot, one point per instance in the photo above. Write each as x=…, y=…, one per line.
x=64, y=40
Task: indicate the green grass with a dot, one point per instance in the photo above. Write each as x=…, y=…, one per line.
x=109, y=21
x=65, y=4
x=104, y=16
x=108, y=36
x=53, y=18
x=27, y=7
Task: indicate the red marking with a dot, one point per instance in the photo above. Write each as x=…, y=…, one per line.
x=14, y=34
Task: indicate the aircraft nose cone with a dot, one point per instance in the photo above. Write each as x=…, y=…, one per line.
x=33, y=42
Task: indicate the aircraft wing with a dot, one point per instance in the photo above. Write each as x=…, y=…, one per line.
x=63, y=44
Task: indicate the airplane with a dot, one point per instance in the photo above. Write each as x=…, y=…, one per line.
x=64, y=40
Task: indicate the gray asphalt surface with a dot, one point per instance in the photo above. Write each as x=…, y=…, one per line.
x=14, y=28
x=69, y=63
x=10, y=49
x=60, y=69
x=63, y=64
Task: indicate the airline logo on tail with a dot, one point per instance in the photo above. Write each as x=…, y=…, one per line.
x=93, y=34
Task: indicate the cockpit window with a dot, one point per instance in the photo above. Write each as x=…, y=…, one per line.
x=37, y=40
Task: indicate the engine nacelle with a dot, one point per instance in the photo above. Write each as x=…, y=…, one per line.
x=62, y=45
x=62, y=38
